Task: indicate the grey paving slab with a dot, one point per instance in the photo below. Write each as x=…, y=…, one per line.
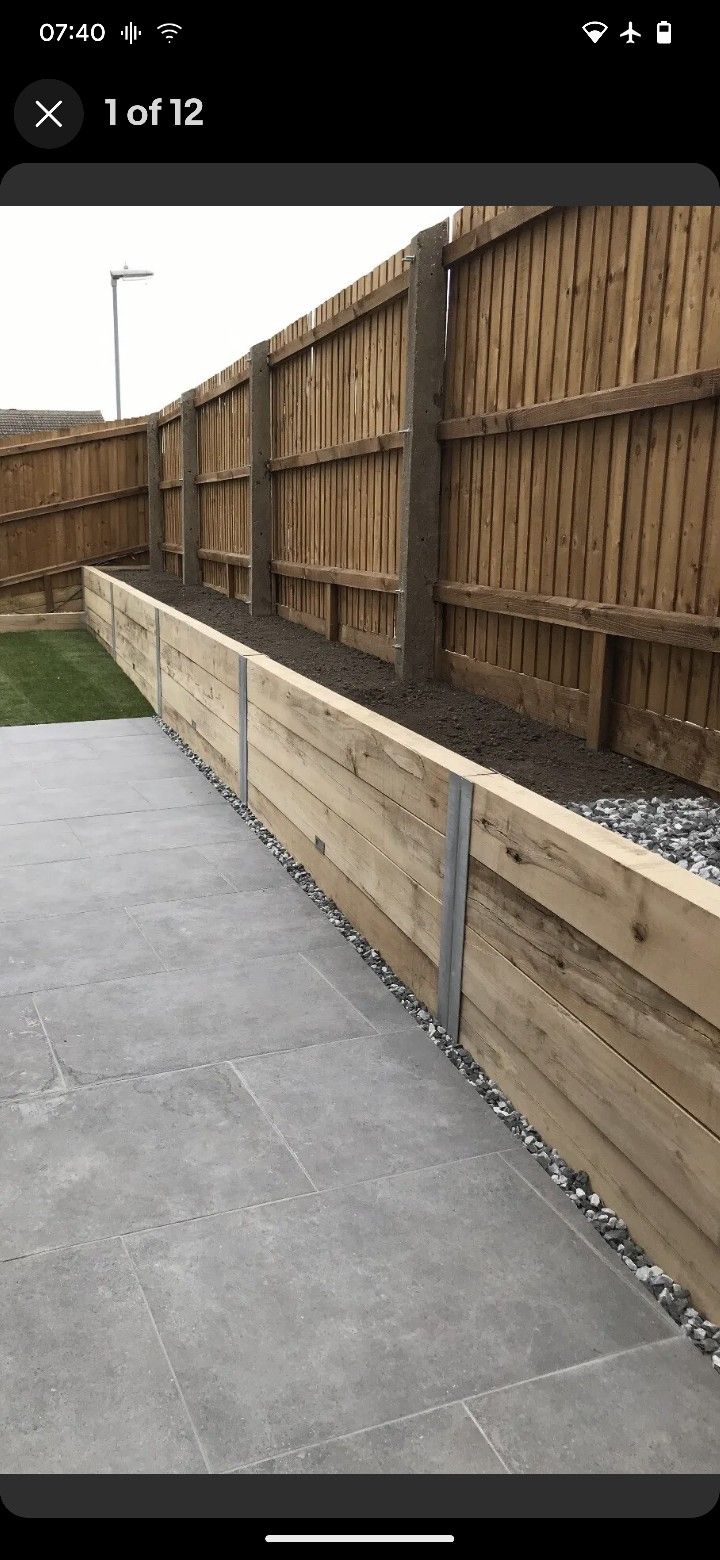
x=117, y=833
x=84, y=1384
x=445, y=1440
x=95, y=882
x=125, y=1156
x=14, y=782
x=246, y=863
x=70, y=950
x=369, y=1107
x=46, y=758
x=138, y=751
x=259, y=923
x=345, y=969
x=74, y=730
x=133, y=768
x=26, y=1062
x=308, y=1319
x=188, y=790
x=530, y=1171
x=652, y=1410
x=24, y=843
x=182, y=1019
x=72, y=801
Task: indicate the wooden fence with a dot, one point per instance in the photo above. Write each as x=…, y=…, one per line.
x=528, y=508
x=580, y=507
x=338, y=408
x=65, y=500
x=579, y=969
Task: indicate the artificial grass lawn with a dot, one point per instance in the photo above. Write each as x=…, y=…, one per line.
x=50, y=676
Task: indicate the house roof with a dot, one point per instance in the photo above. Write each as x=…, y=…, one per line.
x=13, y=420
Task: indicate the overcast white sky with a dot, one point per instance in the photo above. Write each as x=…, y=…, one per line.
x=225, y=277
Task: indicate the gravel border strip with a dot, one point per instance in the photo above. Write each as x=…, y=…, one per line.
x=575, y=1183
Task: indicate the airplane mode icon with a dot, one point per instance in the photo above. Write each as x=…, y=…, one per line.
x=630, y=33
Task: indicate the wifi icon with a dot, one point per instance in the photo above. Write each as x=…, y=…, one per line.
x=595, y=30
x=169, y=30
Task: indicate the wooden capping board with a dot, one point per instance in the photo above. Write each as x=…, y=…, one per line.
x=649, y=624
x=203, y=396
x=23, y=622
x=654, y=1220
x=204, y=477
x=563, y=707
x=171, y=547
x=677, y=746
x=91, y=436
x=167, y=417
x=52, y=569
x=91, y=499
x=409, y=769
x=488, y=232
x=355, y=311
x=211, y=555
x=674, y=389
x=659, y=919
x=376, y=444
x=351, y=579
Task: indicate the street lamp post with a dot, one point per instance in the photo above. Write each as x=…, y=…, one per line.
x=115, y=277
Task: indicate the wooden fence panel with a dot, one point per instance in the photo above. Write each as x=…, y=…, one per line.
x=223, y=430
x=171, y=488
x=619, y=506
x=341, y=511
x=65, y=499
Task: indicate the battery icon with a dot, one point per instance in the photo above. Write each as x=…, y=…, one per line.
x=664, y=32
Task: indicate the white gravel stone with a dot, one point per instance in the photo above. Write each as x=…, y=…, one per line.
x=683, y=829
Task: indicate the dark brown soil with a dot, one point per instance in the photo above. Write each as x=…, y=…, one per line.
x=551, y=762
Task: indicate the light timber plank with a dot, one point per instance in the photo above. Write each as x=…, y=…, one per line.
x=412, y=845
x=666, y=1233
x=662, y=1038
x=400, y=764
x=675, y=1152
x=416, y=912
x=409, y=963
x=662, y=921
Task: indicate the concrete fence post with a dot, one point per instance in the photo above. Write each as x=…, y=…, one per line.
x=420, y=500
x=155, y=504
x=261, y=602
x=190, y=497
x=455, y=881
x=242, y=730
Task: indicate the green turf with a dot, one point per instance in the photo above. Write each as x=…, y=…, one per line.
x=49, y=676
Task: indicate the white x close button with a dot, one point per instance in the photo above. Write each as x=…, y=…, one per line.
x=49, y=114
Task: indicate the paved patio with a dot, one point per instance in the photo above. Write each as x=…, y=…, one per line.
x=250, y=1216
